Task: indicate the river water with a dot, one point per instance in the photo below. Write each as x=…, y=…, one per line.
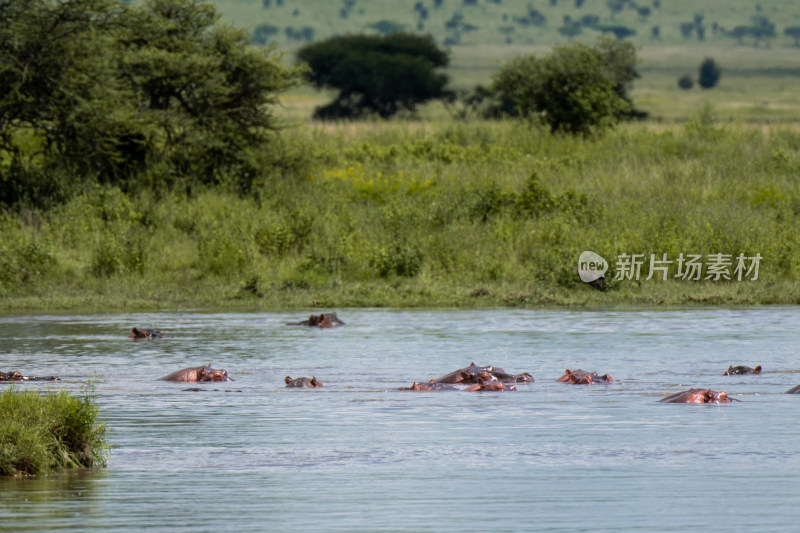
x=360, y=455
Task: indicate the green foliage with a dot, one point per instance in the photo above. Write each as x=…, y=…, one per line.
x=686, y=82
x=575, y=89
x=97, y=91
x=24, y=258
x=44, y=433
x=376, y=74
x=709, y=73
x=402, y=213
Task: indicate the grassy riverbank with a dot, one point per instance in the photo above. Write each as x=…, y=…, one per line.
x=44, y=433
x=430, y=214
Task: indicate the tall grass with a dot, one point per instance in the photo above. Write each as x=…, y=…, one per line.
x=43, y=433
x=422, y=213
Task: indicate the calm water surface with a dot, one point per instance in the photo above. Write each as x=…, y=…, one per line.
x=360, y=455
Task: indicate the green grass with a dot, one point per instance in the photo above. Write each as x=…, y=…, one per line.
x=48, y=432
x=425, y=213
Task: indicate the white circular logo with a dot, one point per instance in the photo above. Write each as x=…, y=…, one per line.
x=591, y=266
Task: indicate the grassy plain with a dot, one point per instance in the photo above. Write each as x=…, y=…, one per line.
x=427, y=213
x=514, y=22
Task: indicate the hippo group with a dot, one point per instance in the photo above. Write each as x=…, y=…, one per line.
x=473, y=373
x=470, y=378
x=476, y=378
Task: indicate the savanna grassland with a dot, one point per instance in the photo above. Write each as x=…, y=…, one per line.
x=434, y=210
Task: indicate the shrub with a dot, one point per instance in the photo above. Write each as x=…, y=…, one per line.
x=686, y=82
x=709, y=74
x=43, y=433
x=575, y=89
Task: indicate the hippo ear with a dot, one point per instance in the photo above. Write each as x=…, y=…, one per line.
x=757, y=369
x=287, y=380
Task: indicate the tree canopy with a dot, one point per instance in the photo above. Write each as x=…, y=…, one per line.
x=376, y=74
x=575, y=89
x=104, y=91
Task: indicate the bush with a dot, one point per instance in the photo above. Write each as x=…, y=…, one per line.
x=709, y=74
x=575, y=89
x=686, y=82
x=40, y=434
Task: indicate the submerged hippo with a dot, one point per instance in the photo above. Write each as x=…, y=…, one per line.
x=483, y=385
x=698, y=396
x=325, y=320
x=311, y=383
x=17, y=376
x=137, y=333
x=473, y=373
x=734, y=370
x=794, y=390
x=431, y=385
x=197, y=374
x=581, y=377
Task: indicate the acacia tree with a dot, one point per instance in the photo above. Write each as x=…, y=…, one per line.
x=376, y=74
x=103, y=91
x=203, y=90
x=576, y=88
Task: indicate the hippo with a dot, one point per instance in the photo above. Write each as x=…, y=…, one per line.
x=581, y=377
x=733, y=370
x=324, y=320
x=473, y=373
x=698, y=396
x=431, y=385
x=137, y=333
x=197, y=374
x=17, y=376
x=794, y=390
x=483, y=385
x=311, y=383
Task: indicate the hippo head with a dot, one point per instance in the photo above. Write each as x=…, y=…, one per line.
x=491, y=385
x=720, y=397
x=211, y=374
